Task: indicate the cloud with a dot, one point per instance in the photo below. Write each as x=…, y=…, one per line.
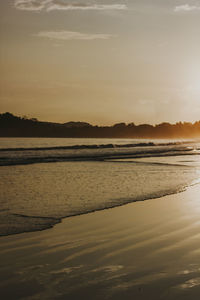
x=50, y=5
x=186, y=8
x=86, y=7
x=72, y=35
x=35, y=5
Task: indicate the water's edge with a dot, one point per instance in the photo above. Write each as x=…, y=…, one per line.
x=55, y=221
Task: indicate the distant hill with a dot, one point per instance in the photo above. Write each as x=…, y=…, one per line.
x=76, y=124
x=14, y=126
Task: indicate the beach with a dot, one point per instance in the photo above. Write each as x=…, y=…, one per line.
x=142, y=250
x=100, y=150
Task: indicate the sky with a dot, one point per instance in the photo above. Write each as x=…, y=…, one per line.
x=101, y=61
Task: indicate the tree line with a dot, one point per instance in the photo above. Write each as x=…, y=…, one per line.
x=15, y=126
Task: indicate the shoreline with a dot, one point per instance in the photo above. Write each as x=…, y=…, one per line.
x=56, y=221
x=147, y=249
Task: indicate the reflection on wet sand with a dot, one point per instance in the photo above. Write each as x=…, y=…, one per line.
x=142, y=250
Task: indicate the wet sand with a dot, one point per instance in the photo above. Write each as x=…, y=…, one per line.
x=143, y=250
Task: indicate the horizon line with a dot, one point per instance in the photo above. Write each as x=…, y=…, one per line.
x=117, y=123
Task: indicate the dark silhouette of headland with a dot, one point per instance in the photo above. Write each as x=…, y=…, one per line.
x=14, y=126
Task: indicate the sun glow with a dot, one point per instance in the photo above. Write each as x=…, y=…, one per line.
x=194, y=80
x=194, y=88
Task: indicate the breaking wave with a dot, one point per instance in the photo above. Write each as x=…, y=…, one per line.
x=30, y=155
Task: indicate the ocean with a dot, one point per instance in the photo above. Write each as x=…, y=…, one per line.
x=46, y=179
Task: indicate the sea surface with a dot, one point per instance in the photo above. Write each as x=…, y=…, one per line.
x=46, y=179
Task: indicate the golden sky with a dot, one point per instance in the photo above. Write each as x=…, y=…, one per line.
x=101, y=61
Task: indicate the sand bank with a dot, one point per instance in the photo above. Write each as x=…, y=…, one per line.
x=144, y=250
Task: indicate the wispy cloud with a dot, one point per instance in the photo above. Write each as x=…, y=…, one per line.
x=72, y=35
x=81, y=6
x=35, y=5
x=186, y=8
x=50, y=5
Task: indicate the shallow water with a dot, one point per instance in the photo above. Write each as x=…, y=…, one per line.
x=37, y=196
